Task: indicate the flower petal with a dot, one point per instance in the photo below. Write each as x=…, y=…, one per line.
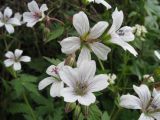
x=31, y=24
x=43, y=8
x=144, y=94
x=51, y=70
x=130, y=102
x=155, y=92
x=9, y=28
x=14, y=21
x=8, y=62
x=1, y=23
x=100, y=50
x=8, y=12
x=17, y=66
x=126, y=34
x=117, y=17
x=98, y=30
x=45, y=82
x=1, y=15
x=56, y=88
x=69, y=76
x=18, y=16
x=18, y=53
x=87, y=71
x=30, y=19
x=9, y=54
x=70, y=45
x=156, y=102
x=103, y=2
x=33, y=6
x=87, y=99
x=69, y=95
x=84, y=55
x=157, y=54
x=81, y=23
x=156, y=115
x=145, y=117
x=61, y=65
x=99, y=83
x=25, y=59
x=117, y=40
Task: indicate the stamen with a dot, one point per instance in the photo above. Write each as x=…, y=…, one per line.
x=55, y=70
x=81, y=88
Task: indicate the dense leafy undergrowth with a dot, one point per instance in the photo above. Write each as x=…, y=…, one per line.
x=128, y=63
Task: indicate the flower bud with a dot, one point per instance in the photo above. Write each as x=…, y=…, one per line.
x=85, y=111
x=77, y=112
x=85, y=2
x=70, y=60
x=69, y=107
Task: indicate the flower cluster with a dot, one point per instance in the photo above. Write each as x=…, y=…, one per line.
x=78, y=82
x=35, y=15
x=90, y=38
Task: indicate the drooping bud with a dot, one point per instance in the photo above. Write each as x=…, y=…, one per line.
x=85, y=111
x=69, y=107
x=77, y=112
x=70, y=59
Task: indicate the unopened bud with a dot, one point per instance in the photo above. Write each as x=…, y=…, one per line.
x=85, y=111
x=85, y=2
x=70, y=107
x=77, y=112
x=70, y=60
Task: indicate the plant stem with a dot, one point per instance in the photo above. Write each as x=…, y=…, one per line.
x=36, y=42
x=27, y=102
x=101, y=64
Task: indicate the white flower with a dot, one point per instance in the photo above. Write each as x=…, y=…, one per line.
x=157, y=54
x=103, y=2
x=149, y=78
x=149, y=106
x=15, y=59
x=121, y=36
x=89, y=38
x=35, y=15
x=7, y=21
x=111, y=78
x=54, y=79
x=82, y=82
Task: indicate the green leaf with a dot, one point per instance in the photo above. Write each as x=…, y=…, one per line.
x=105, y=116
x=38, y=64
x=25, y=81
x=18, y=108
x=94, y=113
x=52, y=60
x=31, y=88
x=57, y=32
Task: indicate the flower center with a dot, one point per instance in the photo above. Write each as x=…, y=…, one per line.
x=5, y=19
x=55, y=70
x=120, y=32
x=81, y=88
x=37, y=15
x=84, y=37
